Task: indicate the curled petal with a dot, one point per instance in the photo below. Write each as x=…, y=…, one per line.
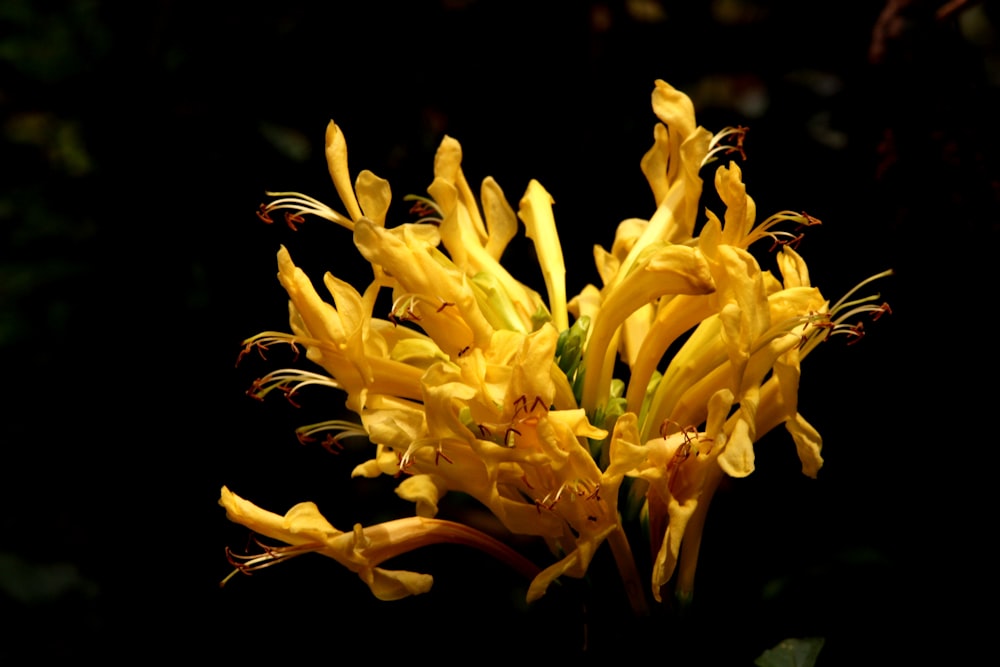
x=808, y=444
x=793, y=268
x=425, y=491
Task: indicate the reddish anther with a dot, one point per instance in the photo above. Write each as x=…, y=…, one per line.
x=253, y=391
x=441, y=455
x=663, y=427
x=792, y=242
x=857, y=333
x=404, y=464
x=679, y=457
x=244, y=352
x=262, y=213
x=444, y=304
x=249, y=346
x=741, y=133
x=464, y=350
x=408, y=316
x=293, y=219
x=520, y=404
x=811, y=220
x=288, y=391
x=233, y=560
x=332, y=444
x=881, y=310
x=421, y=209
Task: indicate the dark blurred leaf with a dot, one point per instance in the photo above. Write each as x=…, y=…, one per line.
x=792, y=653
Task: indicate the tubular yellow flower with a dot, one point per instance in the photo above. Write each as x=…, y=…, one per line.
x=363, y=549
x=475, y=384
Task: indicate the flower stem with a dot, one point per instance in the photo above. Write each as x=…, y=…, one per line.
x=400, y=536
x=630, y=575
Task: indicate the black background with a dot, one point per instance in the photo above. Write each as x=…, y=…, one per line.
x=138, y=139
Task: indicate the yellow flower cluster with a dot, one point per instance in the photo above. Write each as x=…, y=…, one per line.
x=474, y=383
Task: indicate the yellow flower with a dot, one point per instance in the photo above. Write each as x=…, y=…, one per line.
x=305, y=530
x=474, y=383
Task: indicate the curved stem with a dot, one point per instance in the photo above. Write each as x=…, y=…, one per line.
x=399, y=536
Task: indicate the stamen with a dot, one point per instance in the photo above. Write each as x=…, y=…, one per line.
x=665, y=424
x=439, y=454
x=332, y=442
x=716, y=145
x=403, y=308
x=289, y=381
x=405, y=462
x=579, y=487
x=249, y=563
x=262, y=342
x=781, y=238
x=880, y=311
x=297, y=204
x=858, y=332
x=840, y=304
x=426, y=208
x=792, y=241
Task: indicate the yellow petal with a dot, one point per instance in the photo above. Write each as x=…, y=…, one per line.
x=374, y=196
x=424, y=490
x=740, y=208
x=389, y=585
x=808, y=444
x=501, y=221
x=793, y=268
x=424, y=271
x=540, y=225
x=656, y=161
x=737, y=459
x=666, y=269
x=336, y=160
